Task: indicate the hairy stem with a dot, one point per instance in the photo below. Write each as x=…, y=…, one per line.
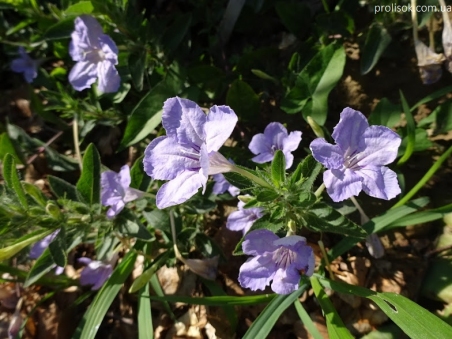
x=77, y=142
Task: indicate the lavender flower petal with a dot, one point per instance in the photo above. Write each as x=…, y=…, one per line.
x=26, y=65
x=95, y=273
x=349, y=130
x=342, y=185
x=244, y=218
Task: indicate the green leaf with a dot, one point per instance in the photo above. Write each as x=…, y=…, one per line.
x=139, y=179
x=127, y=224
x=295, y=16
x=377, y=40
x=89, y=182
x=323, y=218
x=93, y=317
x=261, y=327
x=307, y=321
x=146, y=276
x=238, y=180
x=411, y=131
x=158, y=219
x=43, y=265
x=136, y=63
x=218, y=300
x=6, y=146
x=385, y=113
x=435, y=95
x=315, y=82
x=12, y=179
x=10, y=251
x=278, y=168
x=58, y=248
x=34, y=192
x=336, y=327
x=243, y=100
x=377, y=224
x=443, y=117
x=63, y=189
x=82, y=7
x=310, y=169
x=421, y=217
x=176, y=32
x=413, y=319
x=61, y=30
x=266, y=195
x=146, y=115
x=265, y=76
x=145, y=326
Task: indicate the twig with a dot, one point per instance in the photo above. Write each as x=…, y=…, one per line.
x=437, y=250
x=325, y=257
x=43, y=148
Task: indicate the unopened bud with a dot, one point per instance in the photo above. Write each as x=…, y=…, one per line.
x=53, y=210
x=318, y=131
x=245, y=198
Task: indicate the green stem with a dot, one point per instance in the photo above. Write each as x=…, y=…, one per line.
x=319, y=190
x=325, y=6
x=77, y=142
x=424, y=179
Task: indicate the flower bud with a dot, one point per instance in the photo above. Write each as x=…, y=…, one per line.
x=318, y=131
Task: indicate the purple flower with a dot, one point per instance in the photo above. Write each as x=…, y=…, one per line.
x=95, y=273
x=96, y=55
x=357, y=160
x=281, y=260
x=39, y=247
x=188, y=152
x=26, y=65
x=274, y=138
x=116, y=191
x=244, y=218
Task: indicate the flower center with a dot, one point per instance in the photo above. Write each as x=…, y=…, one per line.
x=95, y=55
x=283, y=257
x=351, y=159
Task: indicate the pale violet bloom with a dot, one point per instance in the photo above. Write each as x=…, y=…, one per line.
x=39, y=247
x=357, y=160
x=275, y=137
x=222, y=185
x=96, y=55
x=116, y=192
x=25, y=65
x=282, y=260
x=243, y=218
x=187, y=155
x=95, y=273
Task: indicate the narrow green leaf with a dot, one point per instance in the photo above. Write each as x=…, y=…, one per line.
x=323, y=218
x=176, y=32
x=265, y=76
x=63, y=189
x=238, y=180
x=435, y=95
x=6, y=146
x=89, y=182
x=411, y=131
x=413, y=319
x=315, y=82
x=377, y=224
x=146, y=115
x=243, y=100
x=146, y=276
x=93, y=317
x=421, y=217
x=34, y=192
x=278, y=168
x=218, y=300
x=261, y=327
x=145, y=326
x=377, y=40
x=12, y=179
x=136, y=63
x=8, y=252
x=128, y=224
x=334, y=323
x=58, y=248
x=310, y=169
x=307, y=321
x=155, y=284
x=139, y=179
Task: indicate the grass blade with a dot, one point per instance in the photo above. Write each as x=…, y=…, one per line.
x=307, y=321
x=145, y=326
